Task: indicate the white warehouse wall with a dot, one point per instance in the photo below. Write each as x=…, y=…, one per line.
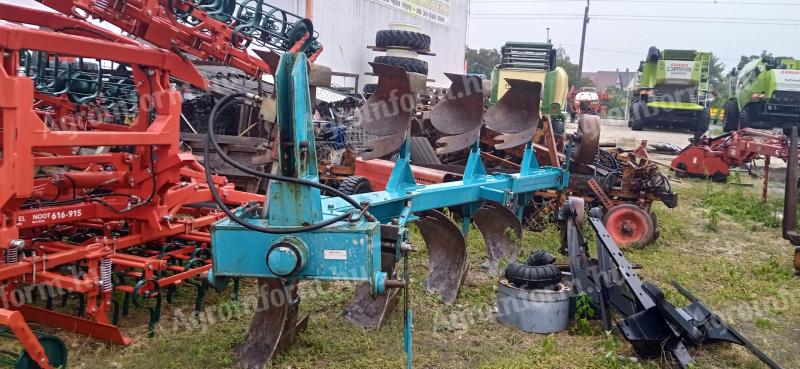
x=347, y=27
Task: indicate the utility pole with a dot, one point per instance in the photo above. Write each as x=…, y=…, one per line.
x=583, y=42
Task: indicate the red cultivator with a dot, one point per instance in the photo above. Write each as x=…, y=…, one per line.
x=97, y=196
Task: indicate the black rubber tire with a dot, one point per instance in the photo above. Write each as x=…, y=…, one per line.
x=531, y=277
x=657, y=234
x=719, y=177
x=394, y=38
x=409, y=64
x=558, y=127
x=702, y=123
x=637, y=115
x=540, y=257
x=355, y=185
x=731, y=121
x=369, y=88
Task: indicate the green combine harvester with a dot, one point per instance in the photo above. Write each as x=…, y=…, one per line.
x=767, y=95
x=672, y=91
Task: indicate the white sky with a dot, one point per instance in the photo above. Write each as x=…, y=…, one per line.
x=622, y=44
x=729, y=28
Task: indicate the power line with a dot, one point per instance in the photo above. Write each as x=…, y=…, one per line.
x=627, y=16
x=713, y=2
x=675, y=20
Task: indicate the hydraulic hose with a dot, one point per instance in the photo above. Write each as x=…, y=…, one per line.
x=225, y=103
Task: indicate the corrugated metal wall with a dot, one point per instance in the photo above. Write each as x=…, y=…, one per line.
x=346, y=27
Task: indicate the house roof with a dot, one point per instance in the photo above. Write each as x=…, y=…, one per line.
x=603, y=79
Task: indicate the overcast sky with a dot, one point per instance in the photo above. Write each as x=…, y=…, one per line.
x=773, y=25
x=621, y=31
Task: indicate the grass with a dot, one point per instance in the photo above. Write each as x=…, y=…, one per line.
x=742, y=270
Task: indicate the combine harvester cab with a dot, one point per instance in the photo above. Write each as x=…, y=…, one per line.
x=672, y=91
x=767, y=96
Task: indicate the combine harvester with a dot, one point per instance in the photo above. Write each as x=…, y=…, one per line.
x=767, y=96
x=672, y=91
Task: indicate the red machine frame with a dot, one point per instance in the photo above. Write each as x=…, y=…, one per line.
x=153, y=186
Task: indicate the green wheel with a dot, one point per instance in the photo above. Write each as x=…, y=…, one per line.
x=55, y=350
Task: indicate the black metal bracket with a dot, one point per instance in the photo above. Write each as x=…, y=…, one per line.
x=651, y=324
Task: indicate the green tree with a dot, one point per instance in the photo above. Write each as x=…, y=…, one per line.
x=717, y=75
x=746, y=59
x=563, y=61
x=481, y=61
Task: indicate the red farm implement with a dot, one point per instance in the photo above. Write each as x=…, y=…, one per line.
x=99, y=206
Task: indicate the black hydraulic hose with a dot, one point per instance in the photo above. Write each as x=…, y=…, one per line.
x=224, y=104
x=221, y=106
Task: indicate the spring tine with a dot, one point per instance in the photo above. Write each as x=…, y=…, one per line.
x=447, y=253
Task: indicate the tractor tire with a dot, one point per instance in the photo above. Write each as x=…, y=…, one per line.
x=369, y=88
x=394, y=38
x=637, y=115
x=702, y=123
x=540, y=257
x=731, y=120
x=558, y=127
x=532, y=277
x=355, y=185
x=409, y=64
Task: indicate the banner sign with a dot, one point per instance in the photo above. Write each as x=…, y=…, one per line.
x=437, y=11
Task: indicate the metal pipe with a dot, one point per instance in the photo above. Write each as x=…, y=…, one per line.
x=790, y=194
x=310, y=9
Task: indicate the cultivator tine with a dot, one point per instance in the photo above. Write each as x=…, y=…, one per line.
x=274, y=325
x=462, y=109
x=516, y=115
x=501, y=230
x=386, y=115
x=447, y=254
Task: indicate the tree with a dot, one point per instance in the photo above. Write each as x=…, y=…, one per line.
x=746, y=59
x=716, y=75
x=482, y=61
x=563, y=61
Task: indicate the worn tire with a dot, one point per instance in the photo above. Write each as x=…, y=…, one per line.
x=369, y=88
x=531, y=277
x=540, y=257
x=637, y=115
x=558, y=126
x=409, y=64
x=354, y=185
x=731, y=120
x=394, y=38
x=702, y=123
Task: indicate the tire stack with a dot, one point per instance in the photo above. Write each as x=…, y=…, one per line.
x=402, y=48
